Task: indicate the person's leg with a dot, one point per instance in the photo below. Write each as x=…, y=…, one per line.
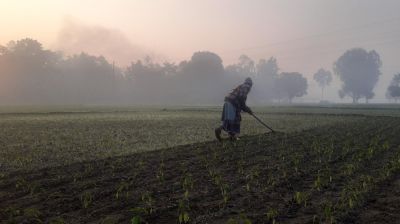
x=228, y=121
x=218, y=131
x=235, y=131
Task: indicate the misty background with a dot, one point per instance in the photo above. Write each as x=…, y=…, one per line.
x=189, y=52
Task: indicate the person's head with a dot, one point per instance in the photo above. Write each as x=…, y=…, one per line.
x=248, y=82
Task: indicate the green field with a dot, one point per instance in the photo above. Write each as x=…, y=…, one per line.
x=42, y=137
x=162, y=165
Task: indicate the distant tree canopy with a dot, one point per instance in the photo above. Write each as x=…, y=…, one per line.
x=264, y=73
x=359, y=71
x=323, y=78
x=393, y=91
x=27, y=71
x=290, y=85
x=30, y=74
x=267, y=68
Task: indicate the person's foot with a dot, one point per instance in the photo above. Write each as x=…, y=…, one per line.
x=218, y=134
x=234, y=138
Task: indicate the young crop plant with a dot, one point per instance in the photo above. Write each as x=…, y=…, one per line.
x=110, y=219
x=272, y=213
x=329, y=211
x=57, y=220
x=136, y=220
x=252, y=178
x=218, y=181
x=318, y=183
x=271, y=180
x=240, y=164
x=296, y=163
x=314, y=219
x=11, y=212
x=123, y=188
x=86, y=199
x=183, y=211
x=349, y=169
x=88, y=169
x=224, y=192
x=366, y=181
x=140, y=211
x=300, y=198
x=386, y=145
x=148, y=203
x=33, y=215
x=30, y=187
x=242, y=219
x=21, y=183
x=160, y=172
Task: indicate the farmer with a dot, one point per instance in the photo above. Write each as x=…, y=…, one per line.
x=235, y=102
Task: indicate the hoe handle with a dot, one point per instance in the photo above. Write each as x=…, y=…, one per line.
x=265, y=125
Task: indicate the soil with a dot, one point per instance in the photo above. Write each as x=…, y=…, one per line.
x=383, y=206
x=230, y=182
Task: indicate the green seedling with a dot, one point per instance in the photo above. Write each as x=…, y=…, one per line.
x=300, y=198
x=183, y=214
x=329, y=213
x=160, y=172
x=86, y=199
x=136, y=220
x=242, y=219
x=33, y=215
x=123, y=187
x=318, y=183
x=272, y=213
x=224, y=192
x=57, y=220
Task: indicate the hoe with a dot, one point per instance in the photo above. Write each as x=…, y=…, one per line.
x=264, y=124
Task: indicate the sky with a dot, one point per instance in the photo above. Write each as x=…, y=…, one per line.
x=304, y=35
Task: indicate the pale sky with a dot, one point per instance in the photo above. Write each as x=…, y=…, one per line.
x=303, y=35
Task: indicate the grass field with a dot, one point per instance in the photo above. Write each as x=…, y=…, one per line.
x=121, y=165
x=39, y=138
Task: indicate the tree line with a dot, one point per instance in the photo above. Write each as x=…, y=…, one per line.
x=30, y=74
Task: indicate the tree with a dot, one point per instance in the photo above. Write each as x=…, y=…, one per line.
x=290, y=85
x=244, y=68
x=267, y=73
x=323, y=78
x=204, y=65
x=359, y=71
x=88, y=79
x=29, y=71
x=199, y=80
x=150, y=81
x=267, y=68
x=246, y=64
x=393, y=91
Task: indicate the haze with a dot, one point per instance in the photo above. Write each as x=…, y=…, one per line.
x=302, y=35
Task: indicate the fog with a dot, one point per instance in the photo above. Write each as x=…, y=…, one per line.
x=75, y=37
x=153, y=53
x=31, y=74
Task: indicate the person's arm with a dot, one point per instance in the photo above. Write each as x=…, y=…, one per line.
x=242, y=100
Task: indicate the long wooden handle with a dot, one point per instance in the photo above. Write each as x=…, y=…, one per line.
x=265, y=125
